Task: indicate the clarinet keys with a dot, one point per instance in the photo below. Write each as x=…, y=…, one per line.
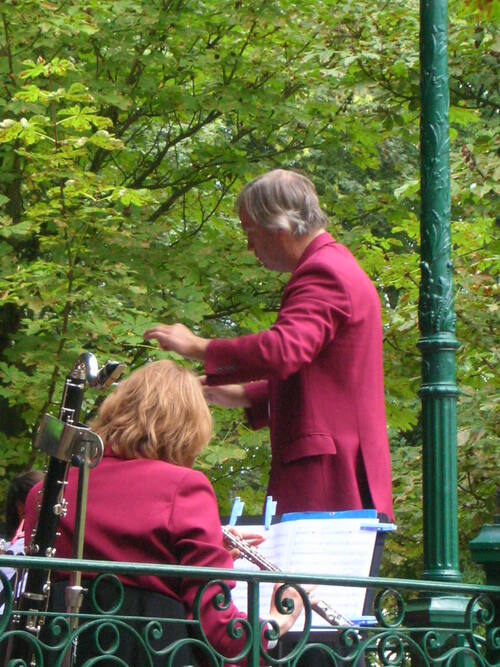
x=61, y=508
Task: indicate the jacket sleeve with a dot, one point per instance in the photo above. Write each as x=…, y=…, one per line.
x=314, y=305
x=258, y=413
x=194, y=527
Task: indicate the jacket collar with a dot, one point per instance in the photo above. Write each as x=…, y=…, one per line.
x=317, y=243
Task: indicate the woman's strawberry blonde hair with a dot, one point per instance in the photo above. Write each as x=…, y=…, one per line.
x=158, y=412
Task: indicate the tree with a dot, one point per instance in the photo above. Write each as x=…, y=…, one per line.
x=127, y=129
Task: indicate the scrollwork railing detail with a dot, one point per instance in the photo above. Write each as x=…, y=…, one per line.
x=392, y=637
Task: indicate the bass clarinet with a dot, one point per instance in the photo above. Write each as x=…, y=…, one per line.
x=252, y=554
x=66, y=442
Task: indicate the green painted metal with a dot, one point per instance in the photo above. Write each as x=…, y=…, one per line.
x=485, y=550
x=253, y=618
x=436, y=310
x=179, y=571
x=388, y=641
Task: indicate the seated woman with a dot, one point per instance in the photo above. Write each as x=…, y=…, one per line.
x=146, y=503
x=18, y=489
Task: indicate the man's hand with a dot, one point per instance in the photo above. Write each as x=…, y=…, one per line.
x=225, y=396
x=178, y=338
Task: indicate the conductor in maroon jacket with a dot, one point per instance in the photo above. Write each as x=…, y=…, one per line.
x=316, y=376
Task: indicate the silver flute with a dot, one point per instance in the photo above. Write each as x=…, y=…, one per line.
x=252, y=554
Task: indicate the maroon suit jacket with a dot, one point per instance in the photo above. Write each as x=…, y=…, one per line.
x=148, y=511
x=322, y=392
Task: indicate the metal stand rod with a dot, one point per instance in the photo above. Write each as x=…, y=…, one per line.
x=75, y=591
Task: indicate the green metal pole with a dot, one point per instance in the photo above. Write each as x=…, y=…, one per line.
x=436, y=310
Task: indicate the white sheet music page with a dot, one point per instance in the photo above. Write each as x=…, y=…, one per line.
x=336, y=547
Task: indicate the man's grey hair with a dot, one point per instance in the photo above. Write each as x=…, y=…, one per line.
x=283, y=199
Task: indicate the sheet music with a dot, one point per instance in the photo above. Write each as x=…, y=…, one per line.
x=338, y=547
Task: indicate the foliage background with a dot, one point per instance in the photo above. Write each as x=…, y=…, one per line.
x=126, y=130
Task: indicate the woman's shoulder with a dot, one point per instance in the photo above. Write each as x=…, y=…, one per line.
x=154, y=468
x=194, y=476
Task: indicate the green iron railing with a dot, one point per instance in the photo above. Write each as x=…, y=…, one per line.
x=389, y=641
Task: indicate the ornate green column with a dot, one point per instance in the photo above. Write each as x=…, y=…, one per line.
x=438, y=344
x=436, y=310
